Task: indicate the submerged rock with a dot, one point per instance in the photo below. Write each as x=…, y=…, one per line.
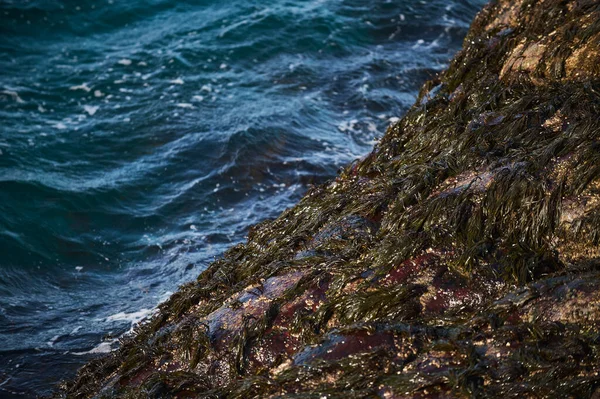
x=459, y=259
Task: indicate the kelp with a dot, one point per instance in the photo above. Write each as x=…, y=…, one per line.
x=460, y=258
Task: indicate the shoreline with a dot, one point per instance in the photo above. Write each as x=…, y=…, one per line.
x=460, y=258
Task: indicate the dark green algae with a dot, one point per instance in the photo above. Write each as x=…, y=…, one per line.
x=459, y=259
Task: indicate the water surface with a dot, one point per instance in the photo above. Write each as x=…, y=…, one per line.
x=140, y=139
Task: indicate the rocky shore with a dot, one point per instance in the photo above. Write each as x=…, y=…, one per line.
x=461, y=258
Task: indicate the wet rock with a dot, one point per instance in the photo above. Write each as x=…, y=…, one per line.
x=583, y=63
x=525, y=58
x=338, y=346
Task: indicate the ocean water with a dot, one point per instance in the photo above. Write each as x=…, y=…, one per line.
x=140, y=139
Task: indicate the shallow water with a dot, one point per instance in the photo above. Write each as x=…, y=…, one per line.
x=141, y=139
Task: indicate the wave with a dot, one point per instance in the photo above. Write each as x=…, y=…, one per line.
x=140, y=140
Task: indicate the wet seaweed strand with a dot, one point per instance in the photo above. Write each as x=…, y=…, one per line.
x=460, y=258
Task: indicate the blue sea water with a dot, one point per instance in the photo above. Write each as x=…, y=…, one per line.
x=140, y=139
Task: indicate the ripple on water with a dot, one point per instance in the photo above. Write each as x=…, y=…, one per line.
x=142, y=139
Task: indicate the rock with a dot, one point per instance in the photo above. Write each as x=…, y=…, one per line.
x=459, y=259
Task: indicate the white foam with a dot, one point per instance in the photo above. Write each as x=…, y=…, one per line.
x=103, y=347
x=53, y=340
x=198, y=98
x=419, y=43
x=371, y=127
x=434, y=44
x=177, y=81
x=223, y=66
x=206, y=88
x=347, y=126
x=83, y=87
x=124, y=61
x=185, y=105
x=165, y=296
x=98, y=93
x=90, y=109
x=14, y=95
x=134, y=317
x=76, y=330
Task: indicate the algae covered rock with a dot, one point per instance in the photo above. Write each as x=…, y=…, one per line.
x=459, y=259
